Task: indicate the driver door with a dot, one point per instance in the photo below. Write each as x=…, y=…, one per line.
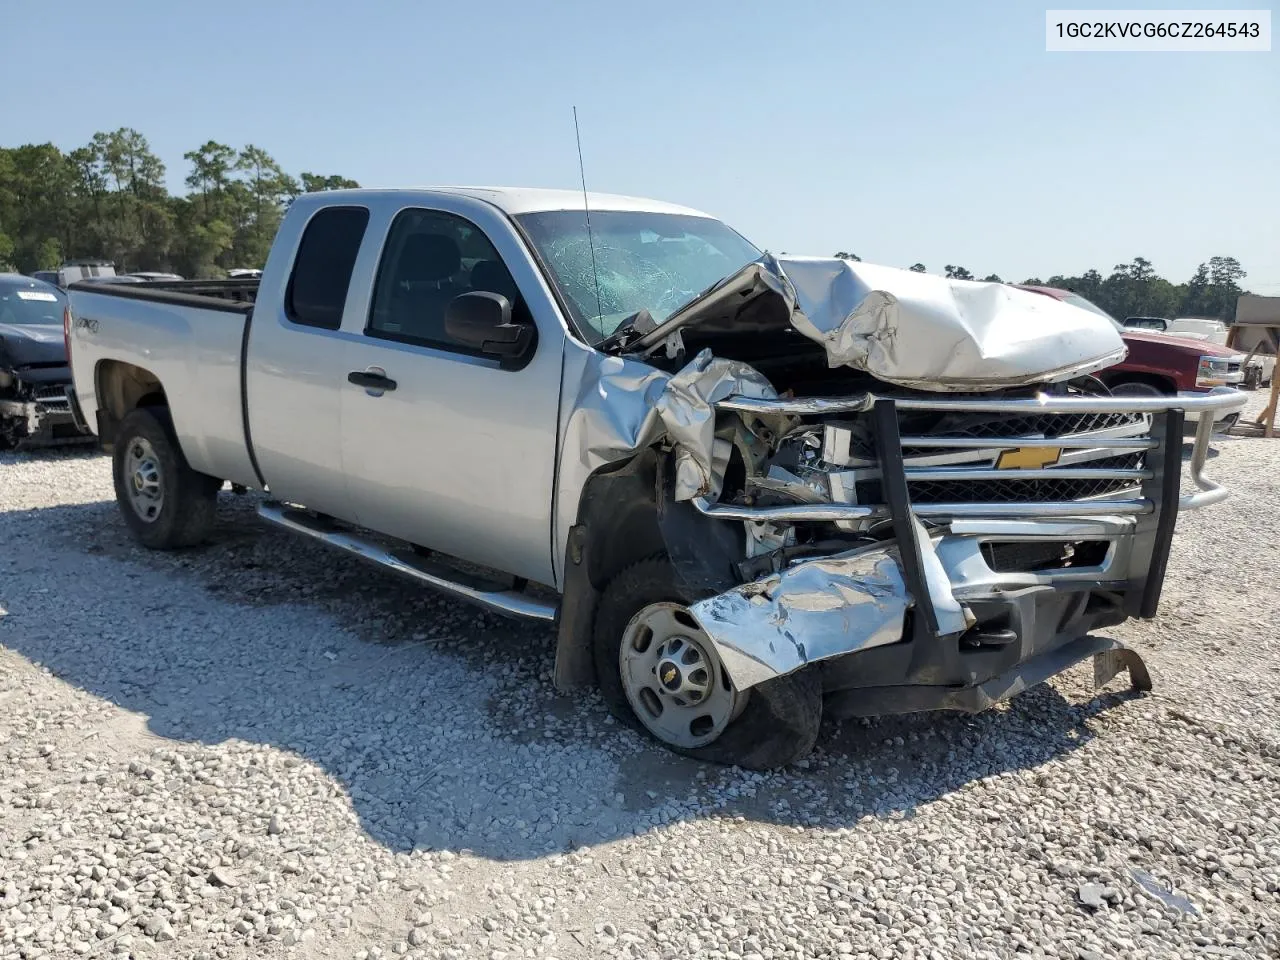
x=441, y=445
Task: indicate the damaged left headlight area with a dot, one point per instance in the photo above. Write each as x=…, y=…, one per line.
x=921, y=551
x=699, y=464
x=810, y=578
x=749, y=520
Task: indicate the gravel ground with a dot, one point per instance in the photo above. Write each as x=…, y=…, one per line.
x=263, y=749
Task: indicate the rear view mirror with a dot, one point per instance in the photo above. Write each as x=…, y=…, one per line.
x=482, y=321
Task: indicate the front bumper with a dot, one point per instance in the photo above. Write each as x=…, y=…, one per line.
x=46, y=418
x=944, y=616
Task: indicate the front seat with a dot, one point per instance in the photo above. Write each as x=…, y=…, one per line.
x=427, y=261
x=492, y=277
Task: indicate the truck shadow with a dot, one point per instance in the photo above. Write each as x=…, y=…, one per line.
x=438, y=721
x=1188, y=447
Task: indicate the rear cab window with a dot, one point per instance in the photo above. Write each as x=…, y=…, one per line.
x=317, y=291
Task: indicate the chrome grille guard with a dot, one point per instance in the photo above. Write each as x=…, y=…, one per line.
x=1152, y=502
x=1161, y=409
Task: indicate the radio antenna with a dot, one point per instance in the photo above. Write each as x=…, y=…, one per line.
x=586, y=208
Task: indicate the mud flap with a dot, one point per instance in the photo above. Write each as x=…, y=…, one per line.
x=1108, y=664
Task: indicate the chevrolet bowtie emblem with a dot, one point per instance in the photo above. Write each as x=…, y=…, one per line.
x=1028, y=458
x=669, y=675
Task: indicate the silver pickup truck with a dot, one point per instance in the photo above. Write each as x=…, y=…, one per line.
x=745, y=489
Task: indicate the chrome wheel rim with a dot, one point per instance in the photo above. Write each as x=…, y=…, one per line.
x=143, y=478
x=673, y=679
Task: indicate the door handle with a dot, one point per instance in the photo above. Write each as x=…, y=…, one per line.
x=371, y=381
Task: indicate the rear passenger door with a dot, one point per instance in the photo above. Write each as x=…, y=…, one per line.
x=297, y=363
x=459, y=455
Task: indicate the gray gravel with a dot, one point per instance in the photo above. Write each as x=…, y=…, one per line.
x=263, y=749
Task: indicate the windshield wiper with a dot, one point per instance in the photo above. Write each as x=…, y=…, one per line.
x=636, y=325
x=641, y=322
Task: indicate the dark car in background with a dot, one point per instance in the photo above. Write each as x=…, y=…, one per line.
x=34, y=376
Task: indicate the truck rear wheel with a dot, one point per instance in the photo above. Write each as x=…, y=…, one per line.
x=659, y=672
x=164, y=503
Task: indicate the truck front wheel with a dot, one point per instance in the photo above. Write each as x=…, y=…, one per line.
x=659, y=671
x=164, y=503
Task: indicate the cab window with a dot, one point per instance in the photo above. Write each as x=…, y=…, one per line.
x=431, y=257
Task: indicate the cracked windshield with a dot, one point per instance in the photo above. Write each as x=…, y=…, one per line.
x=643, y=261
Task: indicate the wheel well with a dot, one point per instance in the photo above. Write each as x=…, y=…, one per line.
x=1161, y=383
x=122, y=387
x=617, y=525
x=622, y=533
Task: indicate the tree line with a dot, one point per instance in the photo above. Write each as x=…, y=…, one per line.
x=1135, y=290
x=108, y=200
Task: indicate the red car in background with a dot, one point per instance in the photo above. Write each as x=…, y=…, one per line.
x=1158, y=364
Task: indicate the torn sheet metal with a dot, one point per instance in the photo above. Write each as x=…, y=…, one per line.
x=910, y=329
x=813, y=610
x=953, y=618
x=686, y=409
x=624, y=405
x=811, y=488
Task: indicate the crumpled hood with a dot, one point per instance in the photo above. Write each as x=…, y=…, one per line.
x=911, y=329
x=22, y=344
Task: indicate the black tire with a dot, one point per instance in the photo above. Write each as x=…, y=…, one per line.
x=186, y=513
x=779, y=724
x=1137, y=388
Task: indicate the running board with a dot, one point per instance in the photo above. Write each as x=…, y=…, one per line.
x=511, y=603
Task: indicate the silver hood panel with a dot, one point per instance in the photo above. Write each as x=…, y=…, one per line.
x=910, y=329
x=928, y=332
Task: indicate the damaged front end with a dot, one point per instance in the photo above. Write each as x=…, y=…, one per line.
x=892, y=482
x=36, y=409
x=36, y=412
x=35, y=380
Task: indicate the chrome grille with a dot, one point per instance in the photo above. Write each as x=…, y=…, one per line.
x=1008, y=430
x=1013, y=427
x=954, y=457
x=843, y=437
x=1015, y=490
x=986, y=427
x=52, y=400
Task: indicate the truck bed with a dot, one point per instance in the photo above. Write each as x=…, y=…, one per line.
x=189, y=333
x=234, y=292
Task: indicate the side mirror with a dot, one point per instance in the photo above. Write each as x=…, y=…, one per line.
x=482, y=321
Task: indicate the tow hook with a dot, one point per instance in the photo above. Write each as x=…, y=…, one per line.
x=980, y=637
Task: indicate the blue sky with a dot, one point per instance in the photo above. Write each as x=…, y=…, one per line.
x=940, y=132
